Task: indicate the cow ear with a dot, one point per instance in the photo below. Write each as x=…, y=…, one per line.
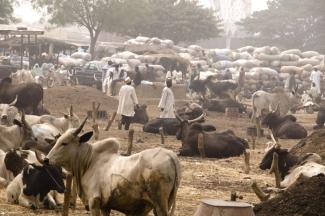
x=18, y=123
x=86, y=137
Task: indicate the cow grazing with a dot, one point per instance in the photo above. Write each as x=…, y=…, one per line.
x=170, y=126
x=217, y=145
x=284, y=127
x=29, y=95
x=220, y=105
x=133, y=185
x=8, y=112
x=291, y=166
x=31, y=187
x=20, y=135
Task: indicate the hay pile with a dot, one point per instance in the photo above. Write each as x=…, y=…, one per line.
x=311, y=144
x=305, y=198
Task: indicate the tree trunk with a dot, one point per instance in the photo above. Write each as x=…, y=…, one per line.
x=94, y=34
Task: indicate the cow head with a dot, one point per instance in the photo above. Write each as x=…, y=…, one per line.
x=185, y=125
x=286, y=160
x=271, y=119
x=67, y=146
x=40, y=180
x=141, y=115
x=29, y=140
x=8, y=113
x=72, y=118
x=15, y=161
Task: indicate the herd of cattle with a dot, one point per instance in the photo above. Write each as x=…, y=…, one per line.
x=140, y=183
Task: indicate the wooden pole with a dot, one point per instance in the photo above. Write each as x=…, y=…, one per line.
x=110, y=122
x=275, y=169
x=200, y=144
x=67, y=194
x=95, y=125
x=246, y=161
x=130, y=142
x=259, y=193
x=162, y=137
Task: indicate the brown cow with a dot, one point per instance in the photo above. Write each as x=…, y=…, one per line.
x=216, y=145
x=29, y=95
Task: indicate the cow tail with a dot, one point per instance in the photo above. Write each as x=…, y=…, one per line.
x=176, y=183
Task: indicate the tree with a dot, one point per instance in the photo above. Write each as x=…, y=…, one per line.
x=288, y=24
x=6, y=11
x=90, y=14
x=178, y=20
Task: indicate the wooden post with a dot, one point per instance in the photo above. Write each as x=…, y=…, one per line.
x=130, y=142
x=246, y=161
x=95, y=125
x=259, y=193
x=162, y=137
x=67, y=194
x=110, y=122
x=200, y=143
x=275, y=169
x=253, y=142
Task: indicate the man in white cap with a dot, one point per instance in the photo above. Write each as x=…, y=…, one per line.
x=167, y=101
x=127, y=102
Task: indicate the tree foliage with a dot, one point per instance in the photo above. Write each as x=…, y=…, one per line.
x=179, y=20
x=6, y=11
x=289, y=24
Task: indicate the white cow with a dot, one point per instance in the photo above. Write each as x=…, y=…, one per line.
x=8, y=112
x=105, y=180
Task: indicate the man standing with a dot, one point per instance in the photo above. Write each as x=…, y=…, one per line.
x=127, y=102
x=290, y=84
x=167, y=101
x=106, y=75
x=315, y=78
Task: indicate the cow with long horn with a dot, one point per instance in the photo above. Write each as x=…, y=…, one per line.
x=106, y=181
x=216, y=145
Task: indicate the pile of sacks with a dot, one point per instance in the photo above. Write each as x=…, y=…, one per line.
x=77, y=59
x=153, y=42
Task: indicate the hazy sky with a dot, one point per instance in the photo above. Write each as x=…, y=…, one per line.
x=30, y=16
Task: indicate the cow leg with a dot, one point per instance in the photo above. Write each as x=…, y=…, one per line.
x=94, y=205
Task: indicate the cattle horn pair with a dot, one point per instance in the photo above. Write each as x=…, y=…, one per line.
x=79, y=129
x=14, y=102
x=201, y=117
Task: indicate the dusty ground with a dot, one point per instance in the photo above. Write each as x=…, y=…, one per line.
x=201, y=178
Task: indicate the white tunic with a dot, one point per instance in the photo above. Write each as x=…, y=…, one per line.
x=315, y=78
x=127, y=100
x=167, y=102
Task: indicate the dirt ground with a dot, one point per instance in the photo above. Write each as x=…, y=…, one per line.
x=201, y=178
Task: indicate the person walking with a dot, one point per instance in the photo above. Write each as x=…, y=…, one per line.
x=167, y=101
x=128, y=101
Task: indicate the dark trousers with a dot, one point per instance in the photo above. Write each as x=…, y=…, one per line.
x=126, y=121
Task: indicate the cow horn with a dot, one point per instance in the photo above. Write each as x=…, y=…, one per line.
x=178, y=117
x=95, y=77
x=39, y=157
x=201, y=117
x=277, y=145
x=79, y=129
x=14, y=102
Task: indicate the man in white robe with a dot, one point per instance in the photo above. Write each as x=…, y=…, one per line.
x=167, y=101
x=127, y=102
x=315, y=78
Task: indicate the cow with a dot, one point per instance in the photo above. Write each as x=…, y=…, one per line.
x=70, y=120
x=292, y=166
x=29, y=95
x=141, y=115
x=216, y=145
x=8, y=112
x=171, y=125
x=20, y=135
x=220, y=105
x=284, y=127
x=13, y=162
x=320, y=120
x=46, y=135
x=221, y=89
x=263, y=102
x=32, y=186
x=106, y=181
